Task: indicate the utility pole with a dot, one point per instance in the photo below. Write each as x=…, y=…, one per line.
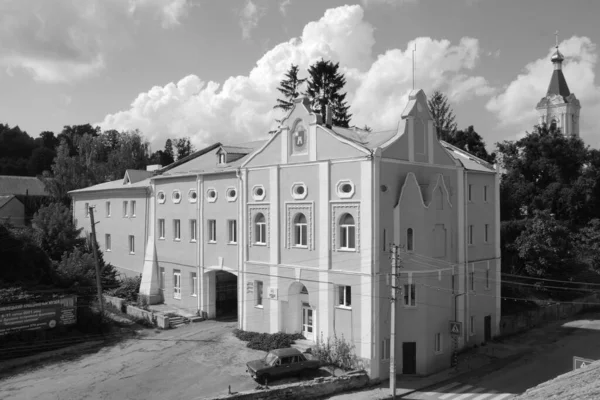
x=395, y=258
x=95, y=249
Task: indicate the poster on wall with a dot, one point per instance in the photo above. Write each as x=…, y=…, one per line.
x=38, y=316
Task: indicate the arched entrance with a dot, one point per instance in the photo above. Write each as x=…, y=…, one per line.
x=226, y=295
x=301, y=316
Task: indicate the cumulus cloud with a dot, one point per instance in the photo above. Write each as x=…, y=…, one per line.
x=368, y=3
x=284, y=6
x=514, y=106
x=64, y=40
x=249, y=17
x=241, y=108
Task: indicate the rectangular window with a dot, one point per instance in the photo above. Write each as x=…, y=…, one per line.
x=437, y=348
x=384, y=239
x=108, y=209
x=194, y=281
x=161, y=228
x=470, y=194
x=485, y=193
x=487, y=278
x=470, y=234
x=176, y=284
x=125, y=209
x=176, y=229
x=472, y=325
x=344, y=296
x=385, y=349
x=472, y=281
x=161, y=278
x=107, y=245
x=131, y=244
x=133, y=208
x=409, y=295
x=193, y=230
x=87, y=210
x=212, y=231
x=258, y=293
x=485, y=235
x=232, y=228
x=348, y=237
x=453, y=283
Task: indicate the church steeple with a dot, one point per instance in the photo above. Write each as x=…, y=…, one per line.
x=559, y=106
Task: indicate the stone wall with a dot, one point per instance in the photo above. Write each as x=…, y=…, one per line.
x=304, y=390
x=526, y=320
x=115, y=301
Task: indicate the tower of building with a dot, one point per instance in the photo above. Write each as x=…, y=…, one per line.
x=559, y=106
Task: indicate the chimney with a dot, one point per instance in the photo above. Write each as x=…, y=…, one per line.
x=328, y=116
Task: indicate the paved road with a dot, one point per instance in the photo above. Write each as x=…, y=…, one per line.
x=460, y=391
x=190, y=362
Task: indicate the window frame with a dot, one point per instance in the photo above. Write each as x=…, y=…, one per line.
x=347, y=231
x=193, y=230
x=108, y=209
x=232, y=223
x=486, y=233
x=406, y=299
x=485, y=193
x=258, y=294
x=344, y=297
x=437, y=343
x=472, y=325
x=177, y=284
x=131, y=244
x=87, y=209
x=487, y=279
x=260, y=234
x=470, y=192
x=125, y=208
x=132, y=208
x=470, y=230
x=472, y=281
x=300, y=232
x=176, y=230
x=107, y=242
x=161, y=229
x=212, y=231
x=194, y=282
x=161, y=278
x=410, y=240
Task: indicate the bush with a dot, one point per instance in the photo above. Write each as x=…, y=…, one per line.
x=267, y=341
x=128, y=289
x=336, y=352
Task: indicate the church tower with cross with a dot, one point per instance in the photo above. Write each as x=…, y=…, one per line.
x=559, y=106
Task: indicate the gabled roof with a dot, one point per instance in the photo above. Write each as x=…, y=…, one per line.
x=236, y=149
x=135, y=175
x=368, y=140
x=468, y=160
x=22, y=185
x=4, y=200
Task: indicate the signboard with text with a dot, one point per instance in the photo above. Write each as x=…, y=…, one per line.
x=455, y=328
x=49, y=314
x=579, y=362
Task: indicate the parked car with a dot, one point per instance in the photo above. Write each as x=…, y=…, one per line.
x=282, y=362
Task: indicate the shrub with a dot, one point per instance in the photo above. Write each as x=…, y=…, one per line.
x=267, y=341
x=128, y=289
x=336, y=352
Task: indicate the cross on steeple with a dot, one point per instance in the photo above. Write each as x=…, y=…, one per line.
x=556, y=35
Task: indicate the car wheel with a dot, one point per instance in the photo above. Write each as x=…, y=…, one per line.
x=266, y=378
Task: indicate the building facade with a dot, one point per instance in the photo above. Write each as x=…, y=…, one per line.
x=293, y=234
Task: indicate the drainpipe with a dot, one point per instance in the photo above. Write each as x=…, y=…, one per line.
x=198, y=227
x=466, y=309
x=241, y=239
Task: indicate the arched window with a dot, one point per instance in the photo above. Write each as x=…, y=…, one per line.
x=409, y=239
x=261, y=229
x=347, y=232
x=300, y=235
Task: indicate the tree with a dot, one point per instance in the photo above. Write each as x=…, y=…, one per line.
x=48, y=140
x=23, y=261
x=324, y=87
x=290, y=88
x=470, y=141
x=169, y=156
x=587, y=244
x=73, y=133
x=41, y=160
x=57, y=232
x=184, y=147
x=78, y=269
x=443, y=116
x=130, y=151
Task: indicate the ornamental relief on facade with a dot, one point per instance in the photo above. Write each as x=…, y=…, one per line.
x=337, y=210
x=293, y=209
x=253, y=211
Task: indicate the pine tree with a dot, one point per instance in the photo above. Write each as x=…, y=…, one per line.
x=443, y=116
x=169, y=156
x=324, y=88
x=289, y=87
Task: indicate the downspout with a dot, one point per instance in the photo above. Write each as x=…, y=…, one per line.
x=198, y=227
x=467, y=288
x=241, y=238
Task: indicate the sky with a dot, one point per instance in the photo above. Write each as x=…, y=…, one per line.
x=209, y=69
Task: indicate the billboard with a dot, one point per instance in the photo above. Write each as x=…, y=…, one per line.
x=49, y=314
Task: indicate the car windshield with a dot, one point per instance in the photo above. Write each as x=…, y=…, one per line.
x=270, y=358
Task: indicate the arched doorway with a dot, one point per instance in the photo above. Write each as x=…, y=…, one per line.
x=226, y=295
x=301, y=316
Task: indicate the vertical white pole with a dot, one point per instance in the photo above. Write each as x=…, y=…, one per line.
x=394, y=250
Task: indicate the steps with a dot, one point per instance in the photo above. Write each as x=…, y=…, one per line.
x=303, y=345
x=177, y=320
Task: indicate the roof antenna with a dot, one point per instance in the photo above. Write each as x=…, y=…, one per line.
x=413, y=63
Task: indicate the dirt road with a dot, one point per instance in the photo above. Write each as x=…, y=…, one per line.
x=190, y=362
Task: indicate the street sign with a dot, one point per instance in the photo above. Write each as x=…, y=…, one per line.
x=579, y=362
x=455, y=328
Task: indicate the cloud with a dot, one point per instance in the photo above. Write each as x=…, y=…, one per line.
x=64, y=40
x=394, y=3
x=249, y=17
x=514, y=106
x=241, y=108
x=284, y=6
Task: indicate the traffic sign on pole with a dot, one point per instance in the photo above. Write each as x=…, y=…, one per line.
x=455, y=328
x=579, y=362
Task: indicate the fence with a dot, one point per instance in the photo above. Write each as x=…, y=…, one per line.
x=526, y=320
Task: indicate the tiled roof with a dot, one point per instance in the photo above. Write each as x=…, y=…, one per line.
x=469, y=161
x=369, y=140
x=23, y=185
x=5, y=199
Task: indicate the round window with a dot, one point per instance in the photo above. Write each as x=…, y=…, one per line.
x=161, y=196
x=176, y=195
x=194, y=195
x=300, y=189
x=346, y=188
x=212, y=194
x=231, y=193
x=259, y=191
